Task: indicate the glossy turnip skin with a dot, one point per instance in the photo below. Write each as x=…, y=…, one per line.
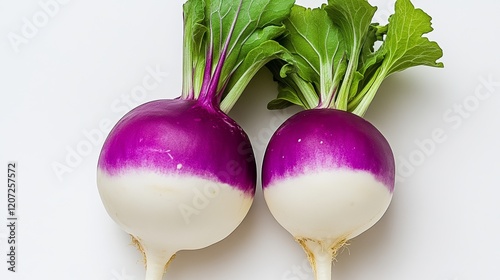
x=176, y=174
x=327, y=176
x=330, y=139
x=181, y=137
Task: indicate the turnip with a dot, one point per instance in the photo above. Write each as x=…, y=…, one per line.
x=179, y=174
x=328, y=174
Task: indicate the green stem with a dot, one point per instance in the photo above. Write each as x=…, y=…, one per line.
x=307, y=92
x=237, y=89
x=343, y=95
x=359, y=96
x=326, y=81
x=337, y=78
x=363, y=105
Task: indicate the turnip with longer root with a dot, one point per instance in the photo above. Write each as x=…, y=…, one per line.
x=179, y=174
x=328, y=174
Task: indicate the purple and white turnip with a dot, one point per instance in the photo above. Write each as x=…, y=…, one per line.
x=328, y=174
x=159, y=164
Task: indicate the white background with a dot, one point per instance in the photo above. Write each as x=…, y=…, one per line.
x=76, y=72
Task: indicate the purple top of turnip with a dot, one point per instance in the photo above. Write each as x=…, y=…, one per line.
x=181, y=137
x=326, y=139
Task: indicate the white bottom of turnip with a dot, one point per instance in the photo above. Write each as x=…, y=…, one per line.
x=323, y=210
x=169, y=213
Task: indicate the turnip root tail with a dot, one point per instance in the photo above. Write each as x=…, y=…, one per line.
x=156, y=262
x=321, y=253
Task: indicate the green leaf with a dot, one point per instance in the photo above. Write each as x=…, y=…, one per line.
x=353, y=19
x=405, y=45
x=220, y=34
x=315, y=45
x=346, y=39
x=369, y=62
x=291, y=87
x=256, y=58
x=368, y=57
x=194, y=31
x=285, y=99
